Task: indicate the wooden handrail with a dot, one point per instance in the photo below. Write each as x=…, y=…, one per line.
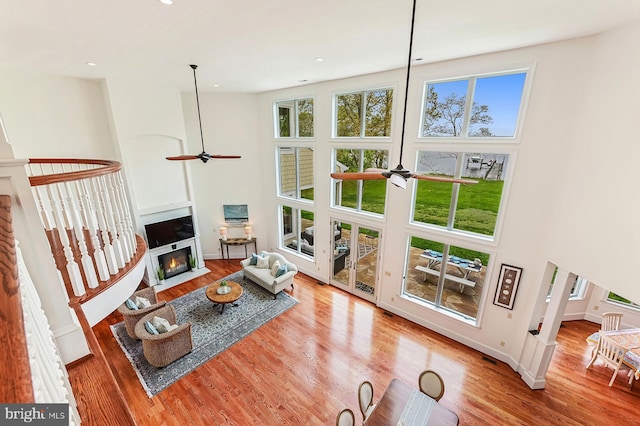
x=15, y=373
x=109, y=167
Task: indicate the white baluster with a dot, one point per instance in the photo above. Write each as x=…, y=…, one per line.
x=131, y=233
x=102, y=224
x=72, y=267
x=118, y=214
x=78, y=226
x=49, y=377
x=91, y=220
x=107, y=207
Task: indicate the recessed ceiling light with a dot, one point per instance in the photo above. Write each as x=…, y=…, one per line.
x=302, y=81
x=216, y=85
x=319, y=59
x=91, y=64
x=166, y=1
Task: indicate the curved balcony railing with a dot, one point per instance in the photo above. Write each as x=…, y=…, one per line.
x=84, y=209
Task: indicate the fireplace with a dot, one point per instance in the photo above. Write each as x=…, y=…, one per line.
x=175, y=262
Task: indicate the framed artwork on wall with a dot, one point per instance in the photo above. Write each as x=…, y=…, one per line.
x=507, y=286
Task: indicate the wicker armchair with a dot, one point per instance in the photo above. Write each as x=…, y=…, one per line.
x=131, y=317
x=164, y=348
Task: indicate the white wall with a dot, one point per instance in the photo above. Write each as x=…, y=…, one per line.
x=229, y=126
x=595, y=223
x=51, y=116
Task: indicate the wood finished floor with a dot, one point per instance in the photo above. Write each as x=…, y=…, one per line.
x=304, y=366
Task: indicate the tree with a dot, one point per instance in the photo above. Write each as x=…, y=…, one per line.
x=446, y=117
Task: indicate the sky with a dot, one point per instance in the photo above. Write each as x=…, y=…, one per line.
x=501, y=93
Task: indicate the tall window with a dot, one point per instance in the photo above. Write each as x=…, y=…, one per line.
x=295, y=172
x=294, y=118
x=485, y=107
x=297, y=225
x=469, y=208
x=446, y=277
x=368, y=195
x=364, y=114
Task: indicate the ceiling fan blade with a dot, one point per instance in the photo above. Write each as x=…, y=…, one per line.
x=224, y=156
x=443, y=179
x=184, y=157
x=358, y=176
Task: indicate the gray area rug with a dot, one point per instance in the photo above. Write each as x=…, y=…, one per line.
x=211, y=331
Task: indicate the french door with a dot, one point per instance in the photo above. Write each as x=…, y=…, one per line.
x=355, y=259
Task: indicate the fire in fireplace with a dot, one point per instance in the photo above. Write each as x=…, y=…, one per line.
x=175, y=262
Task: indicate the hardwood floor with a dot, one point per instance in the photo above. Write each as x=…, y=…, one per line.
x=304, y=366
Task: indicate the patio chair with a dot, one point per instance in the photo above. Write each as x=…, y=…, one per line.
x=431, y=384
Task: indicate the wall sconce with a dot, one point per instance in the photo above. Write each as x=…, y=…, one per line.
x=247, y=231
x=223, y=232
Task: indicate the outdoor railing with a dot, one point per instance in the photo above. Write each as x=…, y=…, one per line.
x=84, y=209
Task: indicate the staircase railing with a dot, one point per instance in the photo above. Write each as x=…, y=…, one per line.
x=84, y=209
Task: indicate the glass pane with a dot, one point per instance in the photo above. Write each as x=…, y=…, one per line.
x=464, y=276
x=433, y=199
x=305, y=170
x=369, y=196
x=287, y=170
x=464, y=280
x=297, y=232
x=349, y=115
x=374, y=194
x=420, y=284
x=378, y=113
x=478, y=205
x=305, y=118
x=367, y=261
x=444, y=108
x=284, y=121
x=496, y=105
x=341, y=252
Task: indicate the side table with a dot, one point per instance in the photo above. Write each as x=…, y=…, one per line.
x=237, y=242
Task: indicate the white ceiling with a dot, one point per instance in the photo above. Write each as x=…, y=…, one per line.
x=260, y=45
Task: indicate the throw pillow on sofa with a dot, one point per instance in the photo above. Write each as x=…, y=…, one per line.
x=131, y=305
x=283, y=269
x=262, y=262
x=275, y=267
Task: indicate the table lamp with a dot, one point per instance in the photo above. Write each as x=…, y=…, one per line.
x=247, y=231
x=223, y=232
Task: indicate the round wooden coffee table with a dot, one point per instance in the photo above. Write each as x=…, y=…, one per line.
x=224, y=299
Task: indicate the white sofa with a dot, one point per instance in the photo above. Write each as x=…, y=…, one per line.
x=263, y=276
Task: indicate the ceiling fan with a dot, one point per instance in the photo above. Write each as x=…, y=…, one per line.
x=399, y=175
x=203, y=156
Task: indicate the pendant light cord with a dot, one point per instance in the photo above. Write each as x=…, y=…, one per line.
x=195, y=82
x=406, y=89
